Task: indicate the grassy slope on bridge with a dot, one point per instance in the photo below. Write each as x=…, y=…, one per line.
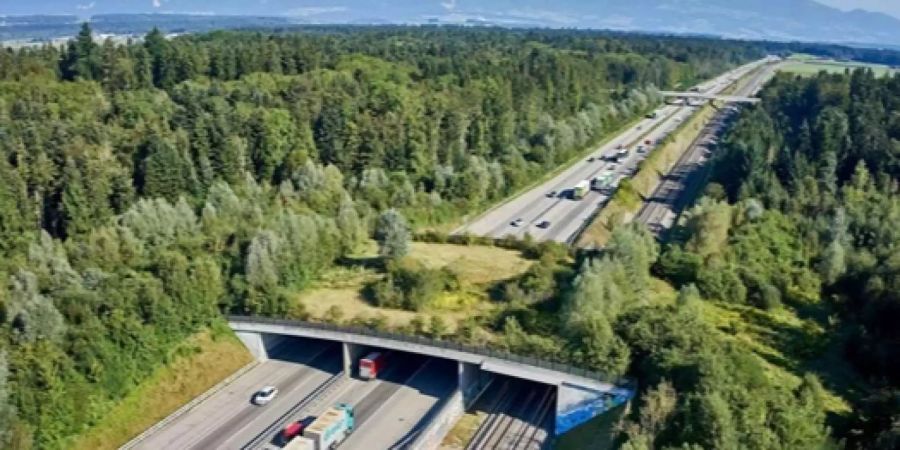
x=196, y=365
x=477, y=267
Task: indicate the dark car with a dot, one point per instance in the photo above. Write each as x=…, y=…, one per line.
x=552, y=194
x=544, y=224
x=591, y=159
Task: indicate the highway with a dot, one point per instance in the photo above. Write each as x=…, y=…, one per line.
x=389, y=411
x=520, y=415
x=228, y=419
x=660, y=211
x=550, y=203
x=392, y=416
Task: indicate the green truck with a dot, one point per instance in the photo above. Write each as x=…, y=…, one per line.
x=581, y=189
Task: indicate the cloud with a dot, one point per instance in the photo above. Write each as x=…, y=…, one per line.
x=308, y=11
x=449, y=5
x=86, y=7
x=543, y=15
x=157, y=3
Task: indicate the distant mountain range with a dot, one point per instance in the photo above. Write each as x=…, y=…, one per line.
x=782, y=20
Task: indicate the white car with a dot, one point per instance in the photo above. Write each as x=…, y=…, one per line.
x=518, y=222
x=265, y=395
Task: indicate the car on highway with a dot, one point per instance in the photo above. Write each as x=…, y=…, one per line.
x=265, y=395
x=292, y=430
x=544, y=224
x=591, y=159
x=518, y=222
x=648, y=142
x=552, y=194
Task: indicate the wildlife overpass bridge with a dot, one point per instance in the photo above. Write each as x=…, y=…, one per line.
x=581, y=394
x=716, y=97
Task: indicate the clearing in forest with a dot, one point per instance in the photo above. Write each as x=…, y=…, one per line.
x=478, y=268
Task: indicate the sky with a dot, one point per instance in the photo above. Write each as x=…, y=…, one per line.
x=891, y=7
x=281, y=7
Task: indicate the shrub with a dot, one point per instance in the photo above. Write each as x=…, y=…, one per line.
x=412, y=286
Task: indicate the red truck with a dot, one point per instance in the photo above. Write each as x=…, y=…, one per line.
x=371, y=365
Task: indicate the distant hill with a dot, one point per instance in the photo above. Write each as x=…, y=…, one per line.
x=782, y=20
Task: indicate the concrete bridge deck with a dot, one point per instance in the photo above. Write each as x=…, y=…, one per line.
x=723, y=98
x=489, y=360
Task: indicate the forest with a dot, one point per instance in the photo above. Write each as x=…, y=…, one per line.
x=801, y=215
x=148, y=188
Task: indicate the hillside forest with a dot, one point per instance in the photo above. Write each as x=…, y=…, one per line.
x=147, y=189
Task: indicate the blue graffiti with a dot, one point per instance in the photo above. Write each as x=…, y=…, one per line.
x=588, y=409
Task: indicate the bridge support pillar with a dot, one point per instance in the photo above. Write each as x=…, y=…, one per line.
x=352, y=353
x=255, y=343
x=472, y=381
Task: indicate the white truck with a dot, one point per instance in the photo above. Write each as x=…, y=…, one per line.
x=581, y=189
x=328, y=430
x=300, y=443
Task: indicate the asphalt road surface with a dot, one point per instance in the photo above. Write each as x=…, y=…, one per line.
x=389, y=411
x=564, y=218
x=228, y=419
x=678, y=187
x=393, y=415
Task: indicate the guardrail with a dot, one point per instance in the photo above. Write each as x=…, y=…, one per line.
x=439, y=343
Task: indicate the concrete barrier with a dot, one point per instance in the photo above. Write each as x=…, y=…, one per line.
x=441, y=424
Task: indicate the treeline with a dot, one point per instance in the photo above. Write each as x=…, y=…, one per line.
x=802, y=213
x=146, y=188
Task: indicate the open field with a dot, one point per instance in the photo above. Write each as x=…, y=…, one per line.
x=808, y=65
x=198, y=364
x=477, y=267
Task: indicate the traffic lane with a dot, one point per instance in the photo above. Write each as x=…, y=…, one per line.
x=394, y=413
x=353, y=391
x=233, y=399
x=299, y=381
x=506, y=213
x=567, y=220
x=500, y=218
x=587, y=170
x=560, y=183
